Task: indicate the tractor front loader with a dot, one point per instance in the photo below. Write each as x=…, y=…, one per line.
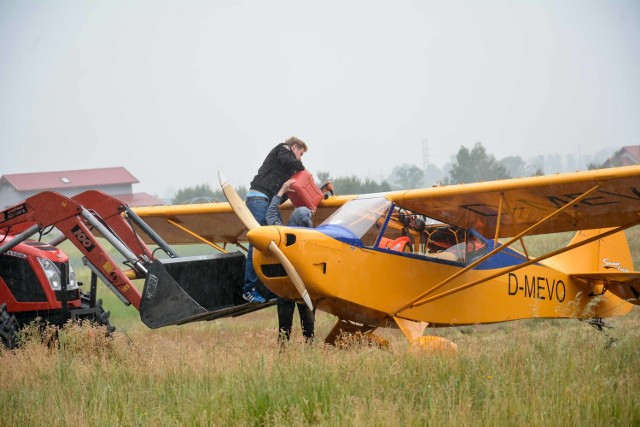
x=36, y=280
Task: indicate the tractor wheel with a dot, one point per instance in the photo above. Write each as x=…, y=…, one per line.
x=101, y=316
x=8, y=327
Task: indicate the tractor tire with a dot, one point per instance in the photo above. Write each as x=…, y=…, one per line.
x=101, y=316
x=8, y=328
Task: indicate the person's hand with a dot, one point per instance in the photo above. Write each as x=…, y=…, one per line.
x=286, y=187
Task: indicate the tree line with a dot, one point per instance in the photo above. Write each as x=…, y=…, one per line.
x=468, y=166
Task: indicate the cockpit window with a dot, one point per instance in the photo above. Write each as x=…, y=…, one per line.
x=360, y=215
x=380, y=224
x=412, y=232
x=408, y=231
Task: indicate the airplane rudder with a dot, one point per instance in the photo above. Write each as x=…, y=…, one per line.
x=609, y=252
x=596, y=256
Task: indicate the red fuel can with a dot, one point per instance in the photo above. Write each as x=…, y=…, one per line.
x=305, y=191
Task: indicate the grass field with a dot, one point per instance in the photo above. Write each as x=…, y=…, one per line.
x=232, y=372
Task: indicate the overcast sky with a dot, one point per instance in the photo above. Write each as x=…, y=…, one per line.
x=176, y=90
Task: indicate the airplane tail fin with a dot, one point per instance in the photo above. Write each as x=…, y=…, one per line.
x=607, y=261
x=604, y=255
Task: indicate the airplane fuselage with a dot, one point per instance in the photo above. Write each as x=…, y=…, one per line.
x=367, y=285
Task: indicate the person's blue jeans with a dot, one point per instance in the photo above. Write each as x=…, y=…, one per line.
x=258, y=207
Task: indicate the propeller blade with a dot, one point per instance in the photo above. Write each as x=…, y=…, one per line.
x=291, y=271
x=237, y=204
x=249, y=221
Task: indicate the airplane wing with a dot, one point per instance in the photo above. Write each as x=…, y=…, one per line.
x=215, y=222
x=607, y=198
x=625, y=285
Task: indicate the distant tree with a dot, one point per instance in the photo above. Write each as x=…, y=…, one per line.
x=184, y=195
x=219, y=195
x=538, y=171
x=322, y=177
x=515, y=166
x=537, y=164
x=433, y=175
x=592, y=166
x=242, y=191
x=347, y=185
x=353, y=185
x=202, y=194
x=553, y=163
x=371, y=186
x=407, y=176
x=475, y=165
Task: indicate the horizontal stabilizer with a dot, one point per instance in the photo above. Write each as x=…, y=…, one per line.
x=623, y=284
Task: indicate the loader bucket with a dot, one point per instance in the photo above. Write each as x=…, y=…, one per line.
x=181, y=290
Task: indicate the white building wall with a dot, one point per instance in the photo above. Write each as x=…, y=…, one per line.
x=10, y=197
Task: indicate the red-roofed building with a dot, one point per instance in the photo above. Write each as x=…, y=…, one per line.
x=626, y=156
x=116, y=181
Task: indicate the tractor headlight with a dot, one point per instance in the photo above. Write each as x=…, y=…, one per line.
x=73, y=282
x=52, y=273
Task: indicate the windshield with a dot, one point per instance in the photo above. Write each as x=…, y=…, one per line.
x=371, y=221
x=378, y=223
x=360, y=215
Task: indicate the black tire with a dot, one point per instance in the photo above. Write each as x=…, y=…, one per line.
x=101, y=317
x=8, y=328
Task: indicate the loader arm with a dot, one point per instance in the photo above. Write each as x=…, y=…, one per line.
x=111, y=211
x=176, y=290
x=73, y=220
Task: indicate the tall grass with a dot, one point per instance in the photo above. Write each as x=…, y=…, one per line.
x=232, y=372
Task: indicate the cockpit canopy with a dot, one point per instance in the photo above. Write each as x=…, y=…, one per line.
x=375, y=222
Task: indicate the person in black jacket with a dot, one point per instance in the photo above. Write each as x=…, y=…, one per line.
x=280, y=164
x=301, y=217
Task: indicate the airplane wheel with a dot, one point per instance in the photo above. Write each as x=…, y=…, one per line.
x=432, y=344
x=354, y=340
x=8, y=328
x=376, y=341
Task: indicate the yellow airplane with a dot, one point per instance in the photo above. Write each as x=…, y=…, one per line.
x=440, y=256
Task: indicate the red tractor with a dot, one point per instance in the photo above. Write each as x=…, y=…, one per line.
x=37, y=281
x=32, y=277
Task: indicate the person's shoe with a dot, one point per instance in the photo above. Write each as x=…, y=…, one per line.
x=253, y=296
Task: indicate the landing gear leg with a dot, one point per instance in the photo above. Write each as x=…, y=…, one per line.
x=598, y=323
